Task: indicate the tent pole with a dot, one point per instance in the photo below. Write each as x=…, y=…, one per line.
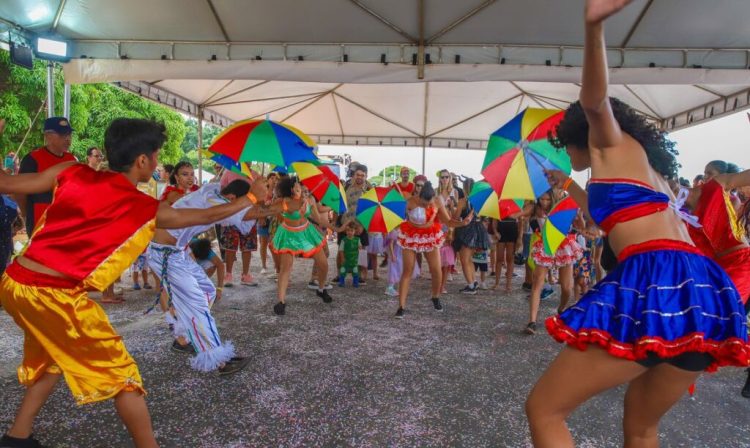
x=50, y=90
x=66, y=101
x=424, y=152
x=200, y=145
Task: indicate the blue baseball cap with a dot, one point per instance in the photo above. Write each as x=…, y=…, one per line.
x=59, y=125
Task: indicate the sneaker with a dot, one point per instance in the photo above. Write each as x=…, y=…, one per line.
x=228, y=280
x=384, y=263
x=399, y=313
x=526, y=286
x=547, y=293
x=363, y=283
x=328, y=286
x=15, y=442
x=746, y=390
x=234, y=365
x=469, y=289
x=147, y=286
x=438, y=306
x=184, y=349
x=450, y=277
x=263, y=271
x=530, y=328
x=323, y=294
x=355, y=281
x=248, y=280
x=274, y=275
x=136, y=287
x=483, y=286
x=391, y=291
x=312, y=284
x=279, y=309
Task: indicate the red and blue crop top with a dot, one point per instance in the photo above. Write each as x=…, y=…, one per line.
x=612, y=201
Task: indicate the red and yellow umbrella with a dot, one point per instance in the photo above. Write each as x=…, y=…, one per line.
x=381, y=209
x=264, y=141
x=518, y=154
x=322, y=183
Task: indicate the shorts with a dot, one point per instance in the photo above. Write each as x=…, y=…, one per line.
x=690, y=361
x=139, y=264
x=481, y=267
x=230, y=238
x=264, y=231
x=508, y=230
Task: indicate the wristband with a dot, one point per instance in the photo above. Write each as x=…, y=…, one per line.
x=567, y=183
x=252, y=197
x=219, y=288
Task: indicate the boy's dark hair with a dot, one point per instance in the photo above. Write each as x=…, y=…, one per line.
x=684, y=182
x=286, y=186
x=724, y=167
x=201, y=248
x=427, y=193
x=177, y=168
x=237, y=187
x=127, y=138
x=574, y=130
x=90, y=151
x=169, y=168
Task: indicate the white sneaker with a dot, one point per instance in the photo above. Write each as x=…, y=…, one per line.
x=391, y=291
x=483, y=285
x=450, y=277
x=263, y=271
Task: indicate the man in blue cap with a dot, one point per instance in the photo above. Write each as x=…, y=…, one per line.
x=57, y=139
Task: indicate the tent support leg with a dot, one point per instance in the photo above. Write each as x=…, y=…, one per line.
x=200, y=146
x=50, y=90
x=424, y=153
x=66, y=101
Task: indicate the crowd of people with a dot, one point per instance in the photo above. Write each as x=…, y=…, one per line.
x=654, y=275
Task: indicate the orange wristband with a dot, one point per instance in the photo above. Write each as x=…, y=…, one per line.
x=252, y=198
x=567, y=183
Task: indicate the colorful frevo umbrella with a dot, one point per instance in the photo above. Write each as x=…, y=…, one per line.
x=381, y=209
x=485, y=202
x=235, y=167
x=519, y=152
x=322, y=183
x=557, y=226
x=264, y=141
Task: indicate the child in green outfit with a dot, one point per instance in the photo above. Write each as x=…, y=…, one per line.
x=350, y=247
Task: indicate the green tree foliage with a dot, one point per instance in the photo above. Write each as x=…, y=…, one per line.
x=93, y=107
x=390, y=174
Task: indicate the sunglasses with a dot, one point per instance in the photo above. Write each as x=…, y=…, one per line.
x=419, y=185
x=445, y=177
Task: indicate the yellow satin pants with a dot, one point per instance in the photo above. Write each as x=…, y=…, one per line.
x=67, y=333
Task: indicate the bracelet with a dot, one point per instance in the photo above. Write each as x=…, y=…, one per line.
x=252, y=197
x=567, y=183
x=219, y=288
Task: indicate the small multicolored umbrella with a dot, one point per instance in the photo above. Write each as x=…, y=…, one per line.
x=381, y=209
x=264, y=141
x=485, y=202
x=322, y=183
x=557, y=226
x=519, y=152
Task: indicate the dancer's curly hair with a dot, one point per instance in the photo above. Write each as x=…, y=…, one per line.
x=574, y=130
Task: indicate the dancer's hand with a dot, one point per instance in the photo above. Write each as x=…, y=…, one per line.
x=556, y=178
x=599, y=10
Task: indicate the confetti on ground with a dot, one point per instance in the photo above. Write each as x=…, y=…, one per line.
x=349, y=374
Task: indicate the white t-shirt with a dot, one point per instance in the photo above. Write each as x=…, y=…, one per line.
x=205, y=197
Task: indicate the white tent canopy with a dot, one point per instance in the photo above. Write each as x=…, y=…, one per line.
x=435, y=73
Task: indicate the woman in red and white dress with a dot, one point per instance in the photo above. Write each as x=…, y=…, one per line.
x=422, y=233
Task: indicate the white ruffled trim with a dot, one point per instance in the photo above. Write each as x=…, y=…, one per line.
x=211, y=359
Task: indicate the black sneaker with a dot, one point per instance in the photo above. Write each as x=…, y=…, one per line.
x=399, y=313
x=746, y=389
x=184, y=349
x=234, y=365
x=279, y=309
x=469, y=289
x=530, y=328
x=526, y=286
x=323, y=294
x=438, y=306
x=7, y=441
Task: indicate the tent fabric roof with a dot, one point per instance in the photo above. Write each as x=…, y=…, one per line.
x=352, y=71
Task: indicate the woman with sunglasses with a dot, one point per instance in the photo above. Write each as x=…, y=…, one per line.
x=449, y=194
x=421, y=233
